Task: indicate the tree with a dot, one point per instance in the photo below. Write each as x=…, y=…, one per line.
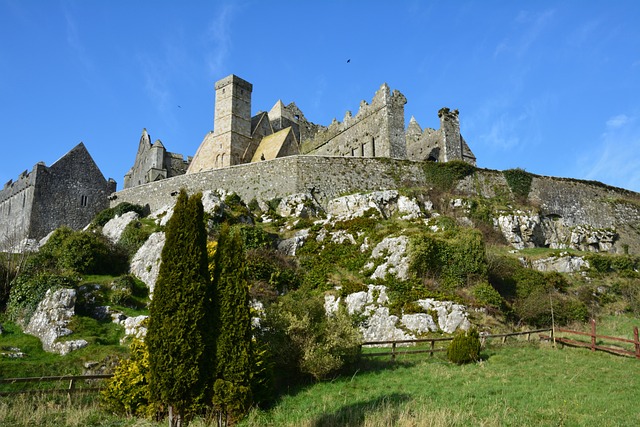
x=232, y=387
x=179, y=336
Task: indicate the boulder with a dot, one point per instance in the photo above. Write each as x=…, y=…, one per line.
x=384, y=203
x=114, y=227
x=290, y=246
x=300, y=205
x=393, y=250
x=560, y=264
x=50, y=320
x=145, y=264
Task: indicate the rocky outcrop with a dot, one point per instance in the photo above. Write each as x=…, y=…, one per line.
x=290, y=246
x=145, y=264
x=301, y=205
x=393, y=252
x=50, y=320
x=385, y=203
x=379, y=325
x=526, y=229
x=114, y=227
x=134, y=327
x=562, y=264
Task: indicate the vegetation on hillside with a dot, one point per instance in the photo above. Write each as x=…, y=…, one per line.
x=214, y=265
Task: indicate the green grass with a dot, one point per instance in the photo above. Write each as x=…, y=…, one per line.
x=520, y=384
x=515, y=385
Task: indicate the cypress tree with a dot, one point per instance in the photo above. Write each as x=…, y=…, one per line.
x=180, y=350
x=232, y=387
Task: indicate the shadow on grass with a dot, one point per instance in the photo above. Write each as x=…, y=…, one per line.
x=354, y=415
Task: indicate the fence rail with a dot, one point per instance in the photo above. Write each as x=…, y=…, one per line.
x=395, y=352
x=593, y=344
x=72, y=379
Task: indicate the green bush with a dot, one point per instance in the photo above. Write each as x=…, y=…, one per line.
x=127, y=392
x=444, y=176
x=29, y=290
x=303, y=340
x=486, y=295
x=255, y=237
x=536, y=308
x=453, y=259
x=133, y=237
x=519, y=182
x=465, y=347
x=108, y=214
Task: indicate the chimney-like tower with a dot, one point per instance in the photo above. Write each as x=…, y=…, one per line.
x=232, y=127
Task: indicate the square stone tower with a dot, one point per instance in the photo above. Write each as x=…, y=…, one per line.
x=231, y=135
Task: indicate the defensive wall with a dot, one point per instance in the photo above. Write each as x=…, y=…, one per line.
x=577, y=202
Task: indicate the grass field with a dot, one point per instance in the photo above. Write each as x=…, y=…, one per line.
x=518, y=384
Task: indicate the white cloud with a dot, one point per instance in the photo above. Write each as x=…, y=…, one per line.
x=528, y=29
x=75, y=42
x=219, y=35
x=617, y=121
x=616, y=158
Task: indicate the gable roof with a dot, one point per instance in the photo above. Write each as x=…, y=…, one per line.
x=271, y=145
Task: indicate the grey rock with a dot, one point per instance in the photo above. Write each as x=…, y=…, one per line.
x=394, y=252
x=50, y=320
x=145, y=264
x=113, y=228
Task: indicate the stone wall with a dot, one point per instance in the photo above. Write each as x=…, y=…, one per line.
x=377, y=130
x=577, y=203
x=69, y=192
x=16, y=200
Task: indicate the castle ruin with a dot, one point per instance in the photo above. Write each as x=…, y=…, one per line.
x=376, y=130
x=69, y=192
x=153, y=162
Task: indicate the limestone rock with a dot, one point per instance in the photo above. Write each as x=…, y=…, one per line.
x=145, y=264
x=163, y=214
x=114, y=227
x=290, y=246
x=380, y=325
x=300, y=205
x=586, y=238
x=384, y=203
x=394, y=252
x=213, y=203
x=561, y=264
x=521, y=229
x=420, y=323
x=50, y=320
x=451, y=316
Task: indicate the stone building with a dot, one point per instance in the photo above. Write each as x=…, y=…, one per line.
x=153, y=162
x=376, y=130
x=69, y=192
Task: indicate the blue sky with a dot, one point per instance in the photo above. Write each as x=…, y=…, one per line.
x=549, y=86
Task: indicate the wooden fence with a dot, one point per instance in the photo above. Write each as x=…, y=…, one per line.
x=71, y=379
x=432, y=348
x=593, y=343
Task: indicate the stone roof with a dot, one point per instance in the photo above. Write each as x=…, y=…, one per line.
x=271, y=145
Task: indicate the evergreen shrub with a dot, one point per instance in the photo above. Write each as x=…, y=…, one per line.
x=465, y=347
x=127, y=392
x=519, y=182
x=452, y=259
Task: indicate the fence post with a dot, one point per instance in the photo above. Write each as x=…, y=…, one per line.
x=637, y=341
x=393, y=351
x=593, y=334
x=433, y=344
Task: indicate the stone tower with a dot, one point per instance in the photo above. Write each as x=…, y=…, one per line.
x=232, y=127
x=450, y=126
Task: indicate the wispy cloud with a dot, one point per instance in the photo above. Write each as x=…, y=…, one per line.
x=616, y=158
x=528, y=27
x=75, y=43
x=219, y=37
